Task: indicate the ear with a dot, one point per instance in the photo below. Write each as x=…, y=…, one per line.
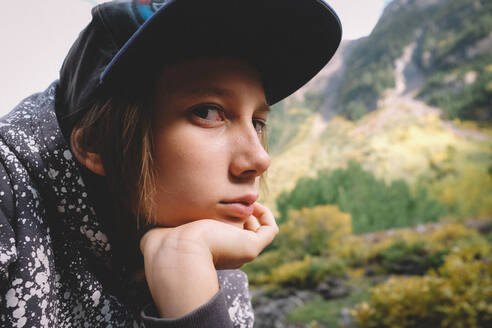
x=90, y=160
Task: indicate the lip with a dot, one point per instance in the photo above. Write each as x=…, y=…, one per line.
x=248, y=199
x=241, y=206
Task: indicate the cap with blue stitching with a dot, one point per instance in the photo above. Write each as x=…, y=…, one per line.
x=128, y=42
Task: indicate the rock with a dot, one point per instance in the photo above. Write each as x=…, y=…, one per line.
x=370, y=271
x=333, y=288
x=379, y=279
x=270, y=308
x=482, y=226
x=345, y=319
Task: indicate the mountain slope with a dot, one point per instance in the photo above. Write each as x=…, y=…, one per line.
x=453, y=52
x=402, y=139
x=404, y=135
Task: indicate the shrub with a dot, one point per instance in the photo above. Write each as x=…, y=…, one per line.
x=314, y=231
x=447, y=234
x=283, y=124
x=373, y=204
x=308, y=272
x=467, y=193
x=353, y=250
x=258, y=271
x=405, y=258
x=458, y=295
x=473, y=248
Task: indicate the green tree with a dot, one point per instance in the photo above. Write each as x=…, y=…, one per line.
x=373, y=204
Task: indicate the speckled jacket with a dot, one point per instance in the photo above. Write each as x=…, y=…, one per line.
x=55, y=253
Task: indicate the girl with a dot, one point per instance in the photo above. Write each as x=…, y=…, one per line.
x=129, y=187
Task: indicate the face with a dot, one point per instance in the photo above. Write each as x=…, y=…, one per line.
x=210, y=118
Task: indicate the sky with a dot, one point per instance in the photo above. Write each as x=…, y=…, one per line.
x=36, y=35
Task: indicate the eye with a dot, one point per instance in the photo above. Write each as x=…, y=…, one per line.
x=260, y=126
x=208, y=114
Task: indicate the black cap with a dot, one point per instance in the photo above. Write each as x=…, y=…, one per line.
x=127, y=41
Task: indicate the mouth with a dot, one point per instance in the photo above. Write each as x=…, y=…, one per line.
x=241, y=206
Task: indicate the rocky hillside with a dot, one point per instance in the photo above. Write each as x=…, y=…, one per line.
x=404, y=138
x=412, y=101
x=451, y=50
x=387, y=100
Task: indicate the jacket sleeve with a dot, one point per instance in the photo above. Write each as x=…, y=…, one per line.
x=213, y=314
x=8, y=250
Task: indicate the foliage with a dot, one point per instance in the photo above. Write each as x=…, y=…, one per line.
x=310, y=232
x=283, y=124
x=459, y=295
x=353, y=250
x=308, y=272
x=327, y=312
x=466, y=100
x=313, y=231
x=370, y=68
x=447, y=235
x=373, y=204
x=456, y=292
x=425, y=249
x=473, y=248
x=467, y=192
x=258, y=271
x=405, y=258
x=407, y=248
x=448, y=35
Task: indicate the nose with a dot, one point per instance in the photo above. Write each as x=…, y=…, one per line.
x=249, y=157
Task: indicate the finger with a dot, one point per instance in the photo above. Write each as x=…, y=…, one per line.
x=251, y=223
x=264, y=215
x=268, y=227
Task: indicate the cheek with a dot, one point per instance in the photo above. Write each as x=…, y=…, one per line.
x=192, y=169
x=190, y=152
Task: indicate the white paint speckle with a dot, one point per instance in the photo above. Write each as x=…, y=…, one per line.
x=95, y=297
x=52, y=173
x=11, y=299
x=41, y=278
x=67, y=154
x=19, y=312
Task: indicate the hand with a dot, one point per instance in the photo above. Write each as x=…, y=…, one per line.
x=181, y=262
x=231, y=247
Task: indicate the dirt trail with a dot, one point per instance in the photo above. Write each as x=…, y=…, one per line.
x=408, y=80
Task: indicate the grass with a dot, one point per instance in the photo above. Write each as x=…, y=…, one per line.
x=327, y=312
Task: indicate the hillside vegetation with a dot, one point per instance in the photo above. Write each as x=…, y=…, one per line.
x=381, y=180
x=453, y=52
x=398, y=141
x=431, y=276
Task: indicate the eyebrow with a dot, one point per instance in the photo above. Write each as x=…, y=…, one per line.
x=221, y=92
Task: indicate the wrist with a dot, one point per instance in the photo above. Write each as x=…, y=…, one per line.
x=180, y=273
x=183, y=284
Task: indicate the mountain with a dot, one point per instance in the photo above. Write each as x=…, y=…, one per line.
x=451, y=60
x=451, y=49
x=412, y=100
x=404, y=138
x=317, y=96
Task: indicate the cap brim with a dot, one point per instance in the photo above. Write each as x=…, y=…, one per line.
x=288, y=41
